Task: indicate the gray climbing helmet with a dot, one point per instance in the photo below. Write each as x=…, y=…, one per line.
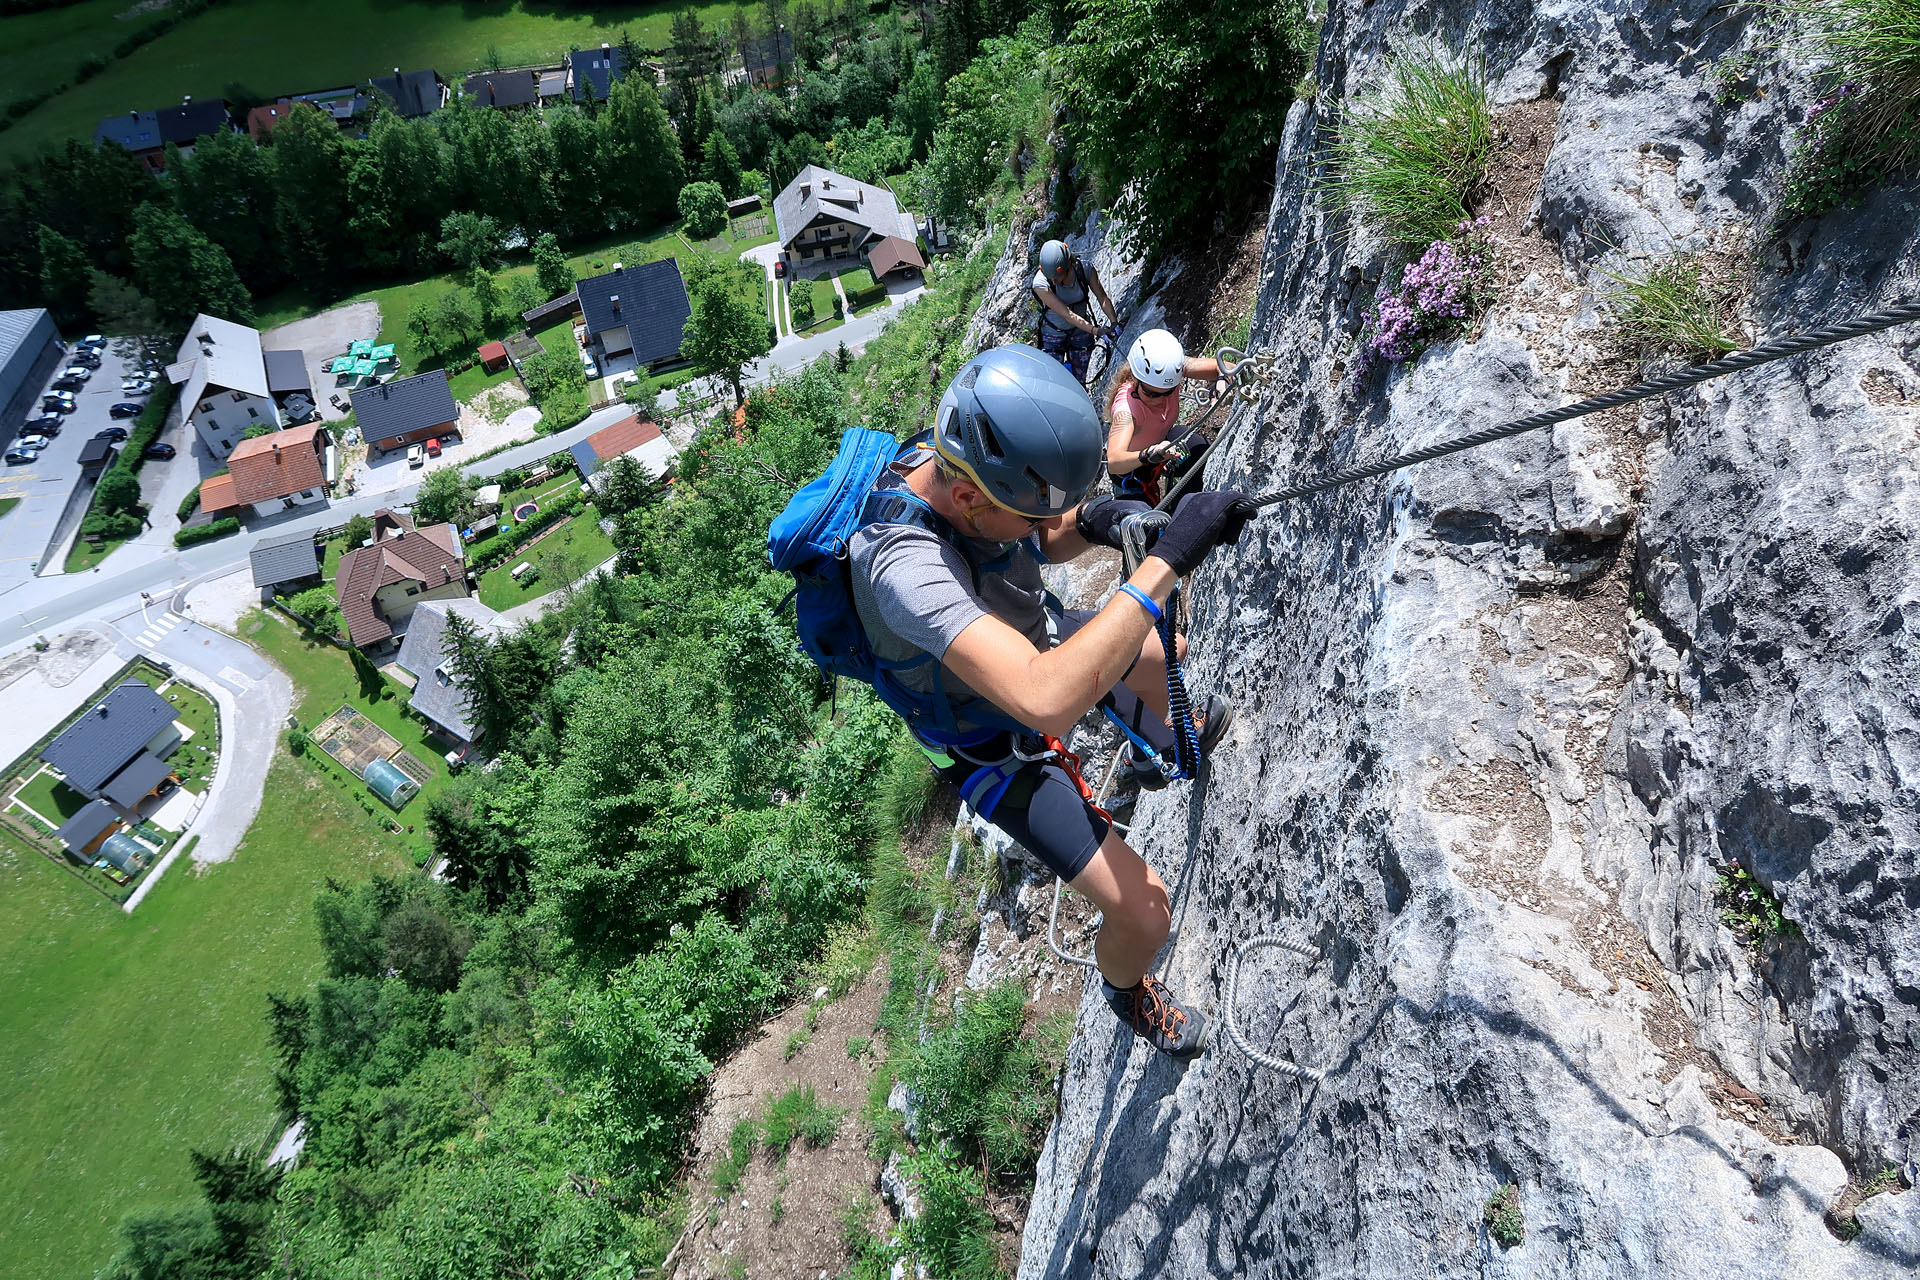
x=1055, y=258
x=1023, y=429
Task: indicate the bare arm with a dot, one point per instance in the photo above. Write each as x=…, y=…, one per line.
x=1051, y=301
x=1122, y=457
x=1200, y=368
x=1049, y=691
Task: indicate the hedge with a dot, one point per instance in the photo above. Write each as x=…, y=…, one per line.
x=146, y=427
x=861, y=297
x=189, y=504
x=488, y=553
x=220, y=528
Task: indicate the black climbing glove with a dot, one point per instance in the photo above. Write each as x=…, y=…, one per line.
x=1099, y=522
x=1203, y=521
x=1155, y=454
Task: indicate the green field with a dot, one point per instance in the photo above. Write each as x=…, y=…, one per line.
x=51, y=798
x=125, y=1040
x=265, y=49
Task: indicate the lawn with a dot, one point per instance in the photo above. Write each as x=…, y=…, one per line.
x=324, y=680
x=824, y=321
x=84, y=555
x=469, y=383
x=266, y=48
x=51, y=798
x=579, y=539
x=8, y=504
x=44, y=49
x=125, y=1040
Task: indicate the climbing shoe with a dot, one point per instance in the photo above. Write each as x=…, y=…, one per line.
x=1158, y=1018
x=1215, y=719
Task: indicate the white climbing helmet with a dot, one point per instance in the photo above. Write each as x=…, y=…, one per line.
x=1156, y=359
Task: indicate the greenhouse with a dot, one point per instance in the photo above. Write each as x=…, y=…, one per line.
x=124, y=853
x=390, y=783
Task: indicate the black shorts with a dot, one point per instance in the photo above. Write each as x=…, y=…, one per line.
x=1042, y=809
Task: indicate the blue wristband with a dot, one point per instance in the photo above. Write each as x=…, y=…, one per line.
x=1146, y=601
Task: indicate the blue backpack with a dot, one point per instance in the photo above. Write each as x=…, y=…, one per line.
x=810, y=538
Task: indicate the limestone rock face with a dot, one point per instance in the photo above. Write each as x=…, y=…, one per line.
x=1505, y=721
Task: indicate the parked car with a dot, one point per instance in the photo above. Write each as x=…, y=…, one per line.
x=780, y=269
x=433, y=446
x=57, y=402
x=47, y=424
x=136, y=386
x=593, y=370
x=21, y=457
x=415, y=458
x=93, y=341
x=157, y=451
x=35, y=443
x=86, y=358
x=126, y=409
x=64, y=383
x=79, y=371
x=115, y=434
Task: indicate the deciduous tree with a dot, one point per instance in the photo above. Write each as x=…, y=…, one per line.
x=704, y=209
x=642, y=152
x=725, y=333
x=445, y=495
x=184, y=272
x=550, y=266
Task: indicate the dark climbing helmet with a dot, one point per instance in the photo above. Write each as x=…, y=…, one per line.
x=1023, y=429
x=1055, y=259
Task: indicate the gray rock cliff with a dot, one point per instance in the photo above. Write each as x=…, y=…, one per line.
x=1505, y=719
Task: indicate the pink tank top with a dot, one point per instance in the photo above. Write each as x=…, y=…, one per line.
x=1152, y=419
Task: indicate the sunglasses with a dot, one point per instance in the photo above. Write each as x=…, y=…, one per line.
x=1155, y=393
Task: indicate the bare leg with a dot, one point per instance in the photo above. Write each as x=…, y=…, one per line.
x=1148, y=679
x=1134, y=903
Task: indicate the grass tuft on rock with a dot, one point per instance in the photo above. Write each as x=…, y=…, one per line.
x=1670, y=306
x=1505, y=1223
x=1408, y=158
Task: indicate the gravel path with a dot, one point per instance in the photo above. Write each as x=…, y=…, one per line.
x=322, y=337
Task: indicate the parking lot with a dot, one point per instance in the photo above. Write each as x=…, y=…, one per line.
x=44, y=485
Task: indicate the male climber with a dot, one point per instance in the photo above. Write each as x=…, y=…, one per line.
x=1015, y=446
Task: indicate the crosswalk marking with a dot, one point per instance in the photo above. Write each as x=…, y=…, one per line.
x=157, y=630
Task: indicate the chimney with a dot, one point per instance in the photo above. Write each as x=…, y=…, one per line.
x=618, y=268
x=133, y=115
x=187, y=101
x=806, y=189
x=615, y=300
x=396, y=72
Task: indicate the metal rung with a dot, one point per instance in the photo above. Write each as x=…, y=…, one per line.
x=1282, y=1065
x=1053, y=930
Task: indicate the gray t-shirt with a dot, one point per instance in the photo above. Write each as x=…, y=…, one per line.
x=1072, y=292
x=915, y=593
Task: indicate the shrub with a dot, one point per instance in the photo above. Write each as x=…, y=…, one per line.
x=111, y=524
x=1436, y=296
x=1503, y=1218
x=1409, y=159
x=982, y=1085
x=1749, y=909
x=1669, y=307
x=221, y=528
x=146, y=427
x=953, y=1236
x=189, y=504
x=704, y=209
x=320, y=609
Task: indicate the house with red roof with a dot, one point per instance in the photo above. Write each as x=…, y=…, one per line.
x=380, y=584
x=269, y=473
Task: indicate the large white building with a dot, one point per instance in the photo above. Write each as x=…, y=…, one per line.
x=224, y=385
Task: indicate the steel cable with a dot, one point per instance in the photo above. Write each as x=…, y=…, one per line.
x=1766, y=353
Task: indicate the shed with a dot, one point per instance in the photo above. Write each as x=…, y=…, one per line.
x=86, y=828
x=96, y=455
x=891, y=255
x=487, y=498
x=745, y=204
x=287, y=557
x=125, y=854
x=387, y=781
x=493, y=356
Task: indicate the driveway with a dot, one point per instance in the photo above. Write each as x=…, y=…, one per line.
x=44, y=485
x=254, y=699
x=322, y=337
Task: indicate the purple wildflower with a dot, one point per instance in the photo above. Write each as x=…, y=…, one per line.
x=1436, y=295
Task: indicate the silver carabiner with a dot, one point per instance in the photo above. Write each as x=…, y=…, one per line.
x=1137, y=534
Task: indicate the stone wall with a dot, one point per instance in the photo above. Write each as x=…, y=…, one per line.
x=1504, y=718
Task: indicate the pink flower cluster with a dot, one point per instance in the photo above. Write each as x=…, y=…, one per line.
x=1436, y=295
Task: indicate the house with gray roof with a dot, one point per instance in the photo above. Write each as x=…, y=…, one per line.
x=221, y=371
x=823, y=214
x=112, y=735
x=406, y=411
x=436, y=694
x=284, y=559
x=591, y=72
x=412, y=94
x=641, y=309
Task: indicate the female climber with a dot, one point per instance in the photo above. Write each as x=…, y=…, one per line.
x=1146, y=403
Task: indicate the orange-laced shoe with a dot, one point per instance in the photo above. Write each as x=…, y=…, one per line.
x=1159, y=1018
